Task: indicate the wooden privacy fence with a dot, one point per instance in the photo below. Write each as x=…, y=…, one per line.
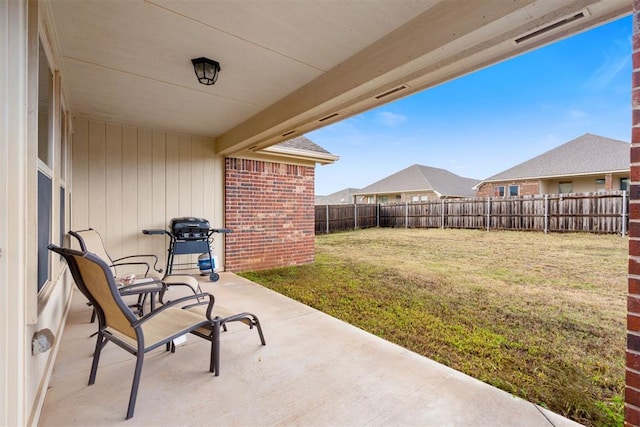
x=577, y=212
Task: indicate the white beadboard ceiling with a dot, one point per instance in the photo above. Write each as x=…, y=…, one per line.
x=286, y=64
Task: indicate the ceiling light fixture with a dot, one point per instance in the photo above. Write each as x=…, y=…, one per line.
x=206, y=70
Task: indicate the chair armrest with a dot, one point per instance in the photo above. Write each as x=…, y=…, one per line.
x=116, y=262
x=141, y=287
x=178, y=302
x=120, y=264
x=175, y=284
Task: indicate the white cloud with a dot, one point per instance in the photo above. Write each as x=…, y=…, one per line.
x=577, y=114
x=390, y=119
x=615, y=61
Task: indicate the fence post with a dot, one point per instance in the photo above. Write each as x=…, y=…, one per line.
x=546, y=213
x=355, y=216
x=406, y=214
x=327, y=219
x=488, y=213
x=624, y=213
x=442, y=213
x=377, y=214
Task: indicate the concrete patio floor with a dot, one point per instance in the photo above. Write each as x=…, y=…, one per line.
x=314, y=371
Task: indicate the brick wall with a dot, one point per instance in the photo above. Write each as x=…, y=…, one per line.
x=529, y=188
x=485, y=190
x=632, y=390
x=608, y=182
x=270, y=208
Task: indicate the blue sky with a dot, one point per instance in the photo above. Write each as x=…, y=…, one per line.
x=488, y=121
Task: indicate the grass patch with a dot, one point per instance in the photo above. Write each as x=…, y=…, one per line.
x=540, y=316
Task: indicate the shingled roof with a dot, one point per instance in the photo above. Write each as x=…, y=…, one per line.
x=303, y=143
x=302, y=147
x=339, y=197
x=422, y=178
x=588, y=154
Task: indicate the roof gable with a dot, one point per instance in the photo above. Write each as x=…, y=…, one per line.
x=421, y=178
x=303, y=143
x=584, y=155
x=301, y=147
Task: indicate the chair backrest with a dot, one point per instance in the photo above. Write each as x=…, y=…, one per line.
x=91, y=241
x=95, y=280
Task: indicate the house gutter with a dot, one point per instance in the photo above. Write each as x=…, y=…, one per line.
x=318, y=157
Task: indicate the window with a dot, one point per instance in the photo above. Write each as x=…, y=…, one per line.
x=514, y=190
x=600, y=185
x=415, y=199
x=384, y=199
x=44, y=227
x=45, y=154
x=424, y=198
x=565, y=187
x=624, y=184
x=45, y=89
x=499, y=192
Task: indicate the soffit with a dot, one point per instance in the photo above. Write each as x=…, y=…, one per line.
x=286, y=65
x=130, y=61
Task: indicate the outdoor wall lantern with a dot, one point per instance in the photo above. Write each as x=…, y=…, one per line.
x=206, y=70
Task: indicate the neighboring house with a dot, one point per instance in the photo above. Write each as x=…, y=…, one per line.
x=341, y=197
x=418, y=183
x=590, y=163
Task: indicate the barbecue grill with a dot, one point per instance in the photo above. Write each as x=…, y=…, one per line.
x=189, y=235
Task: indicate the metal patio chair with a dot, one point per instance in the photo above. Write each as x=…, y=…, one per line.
x=118, y=324
x=91, y=241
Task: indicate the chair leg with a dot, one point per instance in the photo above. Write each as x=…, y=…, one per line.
x=259, y=328
x=136, y=383
x=96, y=358
x=214, y=365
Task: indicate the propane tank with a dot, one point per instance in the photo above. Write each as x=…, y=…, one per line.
x=204, y=264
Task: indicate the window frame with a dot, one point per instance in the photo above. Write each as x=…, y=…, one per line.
x=45, y=164
x=624, y=180
x=56, y=167
x=561, y=183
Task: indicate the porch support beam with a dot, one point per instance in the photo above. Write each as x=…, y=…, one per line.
x=438, y=45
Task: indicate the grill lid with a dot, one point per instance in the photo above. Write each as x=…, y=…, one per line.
x=190, y=228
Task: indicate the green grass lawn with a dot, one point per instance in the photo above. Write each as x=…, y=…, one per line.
x=541, y=316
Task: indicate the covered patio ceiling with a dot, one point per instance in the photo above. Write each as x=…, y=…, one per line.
x=288, y=66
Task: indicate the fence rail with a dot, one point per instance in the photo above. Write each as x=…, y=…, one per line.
x=576, y=212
